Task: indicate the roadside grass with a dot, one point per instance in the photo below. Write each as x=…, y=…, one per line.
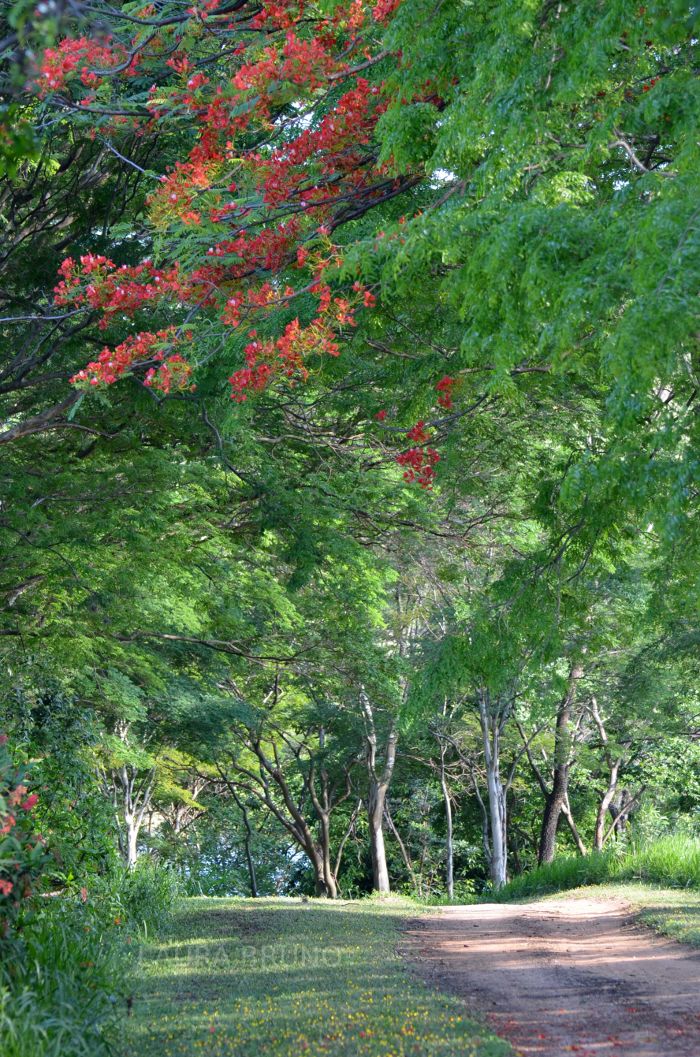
x=671, y=861
x=282, y=978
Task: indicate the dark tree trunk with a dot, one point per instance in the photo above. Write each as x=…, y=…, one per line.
x=557, y=798
x=247, y=845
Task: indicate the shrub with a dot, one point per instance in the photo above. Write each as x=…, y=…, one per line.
x=22, y=853
x=147, y=893
x=64, y=956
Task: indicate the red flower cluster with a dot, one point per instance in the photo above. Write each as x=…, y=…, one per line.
x=78, y=56
x=268, y=200
x=333, y=147
x=115, y=289
x=384, y=9
x=174, y=373
x=305, y=63
x=418, y=433
x=138, y=350
x=445, y=387
x=420, y=465
x=21, y=852
x=419, y=461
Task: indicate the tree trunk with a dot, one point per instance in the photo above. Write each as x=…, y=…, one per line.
x=292, y=814
x=557, y=798
x=329, y=881
x=604, y=805
x=136, y=800
x=247, y=845
x=251, y=868
x=491, y=723
x=131, y=851
x=599, y=836
x=376, y=796
x=449, y=839
x=375, y=813
x=498, y=824
x=566, y=811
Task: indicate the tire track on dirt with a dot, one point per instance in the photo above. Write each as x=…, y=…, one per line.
x=565, y=977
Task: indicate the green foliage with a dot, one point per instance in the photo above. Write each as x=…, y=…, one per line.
x=65, y=974
x=179, y=572
x=58, y=736
x=146, y=895
x=63, y=984
x=23, y=857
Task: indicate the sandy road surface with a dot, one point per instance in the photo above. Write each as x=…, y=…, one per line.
x=565, y=977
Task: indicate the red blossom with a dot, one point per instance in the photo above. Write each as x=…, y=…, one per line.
x=76, y=57
x=7, y=824
x=445, y=387
x=420, y=465
x=111, y=364
x=278, y=212
x=16, y=795
x=418, y=433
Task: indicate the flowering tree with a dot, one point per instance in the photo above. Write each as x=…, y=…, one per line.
x=268, y=116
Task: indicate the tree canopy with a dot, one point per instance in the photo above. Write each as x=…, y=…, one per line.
x=348, y=390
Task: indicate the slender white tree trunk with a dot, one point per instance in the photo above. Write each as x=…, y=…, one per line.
x=376, y=798
x=380, y=870
x=449, y=840
x=132, y=835
x=491, y=723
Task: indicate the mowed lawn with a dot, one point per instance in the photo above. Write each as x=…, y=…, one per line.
x=281, y=978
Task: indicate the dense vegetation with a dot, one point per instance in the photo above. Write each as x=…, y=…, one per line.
x=349, y=509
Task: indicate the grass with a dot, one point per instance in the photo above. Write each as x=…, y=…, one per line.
x=670, y=861
x=281, y=978
x=64, y=970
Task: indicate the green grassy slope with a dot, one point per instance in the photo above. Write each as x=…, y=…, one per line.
x=278, y=978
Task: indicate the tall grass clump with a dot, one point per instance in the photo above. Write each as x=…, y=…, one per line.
x=63, y=984
x=148, y=893
x=673, y=861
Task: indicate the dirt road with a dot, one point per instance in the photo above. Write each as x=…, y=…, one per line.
x=565, y=977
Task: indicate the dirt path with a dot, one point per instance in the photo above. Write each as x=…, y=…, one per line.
x=566, y=977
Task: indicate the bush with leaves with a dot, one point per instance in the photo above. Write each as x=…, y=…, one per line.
x=22, y=853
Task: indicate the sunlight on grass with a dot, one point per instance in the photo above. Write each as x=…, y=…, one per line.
x=278, y=978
